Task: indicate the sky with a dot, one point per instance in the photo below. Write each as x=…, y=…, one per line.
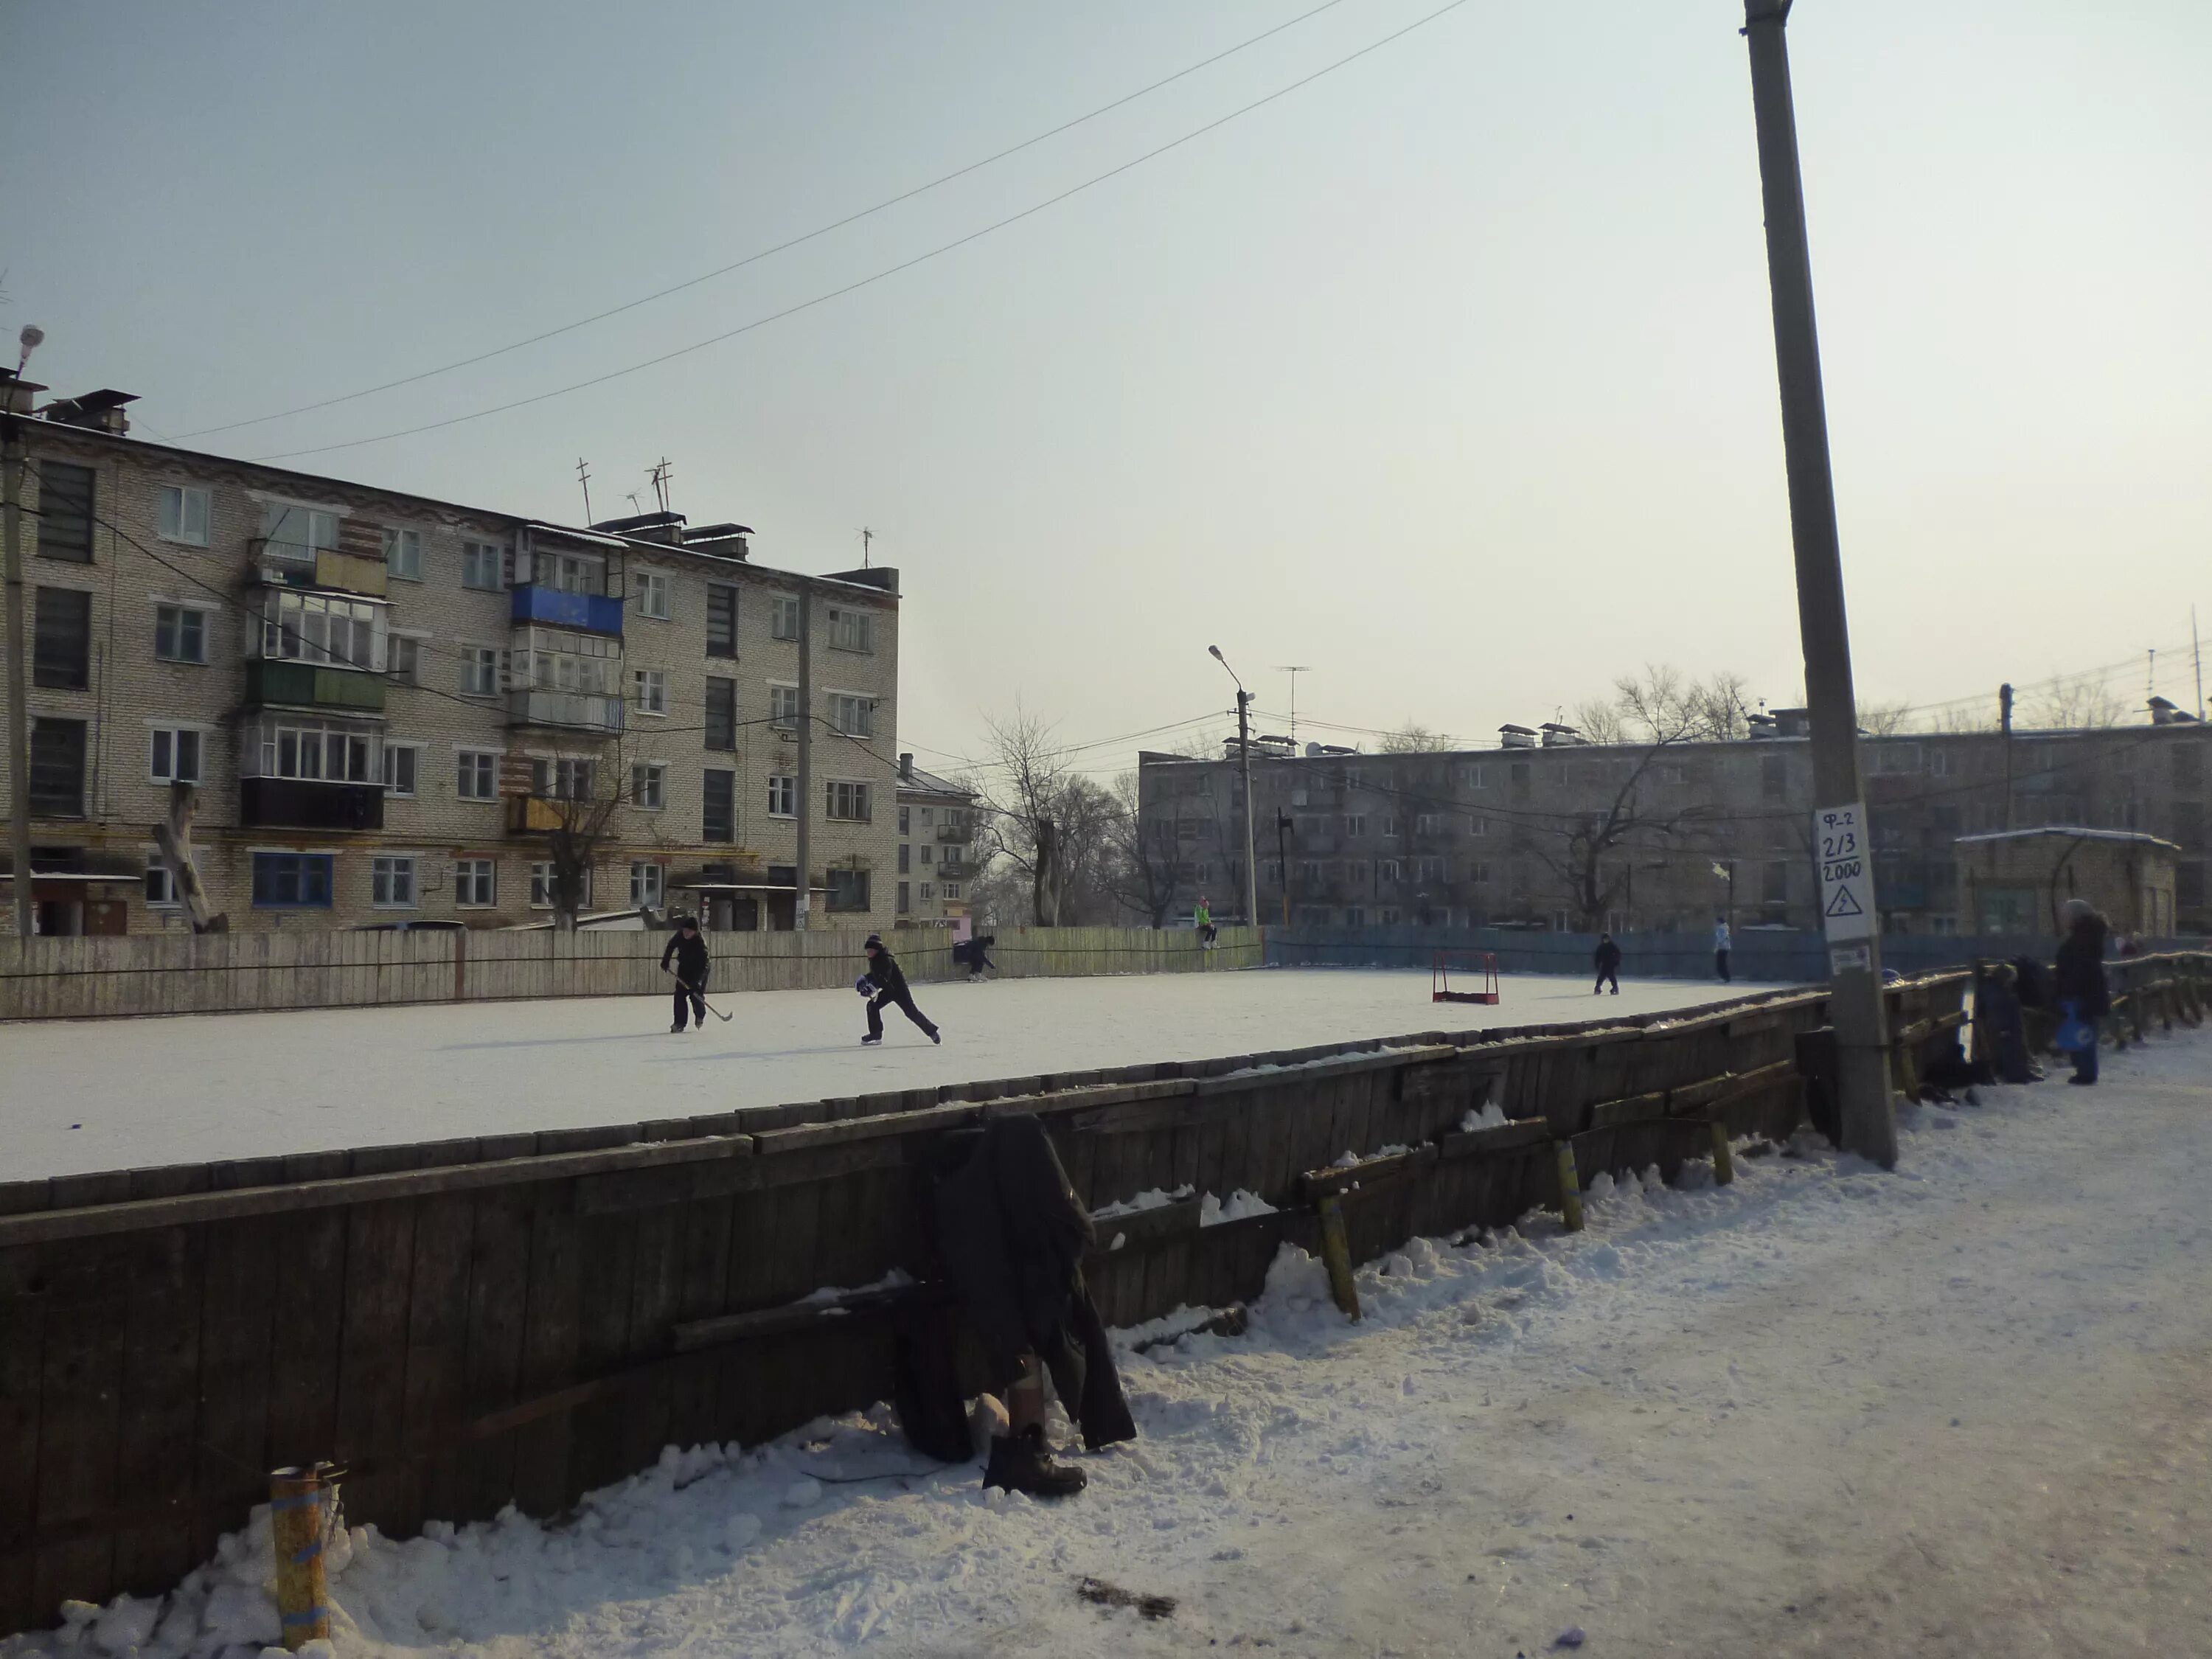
x=1449, y=373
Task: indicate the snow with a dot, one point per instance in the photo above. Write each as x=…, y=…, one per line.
x=1964, y=1408
x=81, y=1096
x=1152, y=1198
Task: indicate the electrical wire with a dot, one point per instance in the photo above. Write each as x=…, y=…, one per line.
x=780, y=247
x=886, y=272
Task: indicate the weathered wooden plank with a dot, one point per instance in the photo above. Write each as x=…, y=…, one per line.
x=79, y=1441
x=372, y=1357
x=552, y=1326
x=438, y=1341
x=498, y=1305
x=22, y=1361
x=237, y=1323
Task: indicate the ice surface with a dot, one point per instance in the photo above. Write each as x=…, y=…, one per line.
x=83, y=1096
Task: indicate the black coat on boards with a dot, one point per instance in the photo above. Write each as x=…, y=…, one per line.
x=690, y=950
x=885, y=973
x=1012, y=1235
x=2080, y=973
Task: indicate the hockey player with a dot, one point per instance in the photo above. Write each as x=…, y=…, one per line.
x=890, y=988
x=1608, y=964
x=690, y=952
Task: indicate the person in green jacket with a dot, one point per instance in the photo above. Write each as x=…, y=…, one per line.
x=1202, y=918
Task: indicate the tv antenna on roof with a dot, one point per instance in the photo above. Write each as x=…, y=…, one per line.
x=660, y=472
x=866, y=537
x=584, y=478
x=1294, y=668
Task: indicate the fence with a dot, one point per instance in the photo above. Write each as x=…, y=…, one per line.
x=229, y=973
x=472, y=1322
x=1758, y=954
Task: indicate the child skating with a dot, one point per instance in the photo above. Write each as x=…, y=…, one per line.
x=890, y=985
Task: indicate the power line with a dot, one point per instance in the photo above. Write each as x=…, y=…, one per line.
x=780, y=247
x=880, y=275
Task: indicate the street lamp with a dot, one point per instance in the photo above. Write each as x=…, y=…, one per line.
x=1244, y=752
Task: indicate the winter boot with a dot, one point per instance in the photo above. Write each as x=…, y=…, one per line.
x=1021, y=1462
x=876, y=1037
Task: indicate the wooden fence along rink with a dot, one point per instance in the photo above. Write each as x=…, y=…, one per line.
x=524, y=1318
x=234, y=973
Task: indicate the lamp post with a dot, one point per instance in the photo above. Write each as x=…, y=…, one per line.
x=1244, y=754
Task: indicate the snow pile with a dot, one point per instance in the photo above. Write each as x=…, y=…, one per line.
x=1682, y=1427
x=829, y=1295
x=1240, y=1203
x=1151, y=1199
x=1491, y=1117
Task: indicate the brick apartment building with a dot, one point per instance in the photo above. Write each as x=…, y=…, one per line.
x=386, y=700
x=1667, y=838
x=935, y=861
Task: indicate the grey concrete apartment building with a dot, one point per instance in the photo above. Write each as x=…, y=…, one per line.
x=1556, y=834
x=936, y=855
x=384, y=700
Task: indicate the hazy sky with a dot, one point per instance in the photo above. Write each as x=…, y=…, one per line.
x=1450, y=374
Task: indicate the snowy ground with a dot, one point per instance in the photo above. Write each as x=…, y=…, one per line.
x=83, y=1096
x=1964, y=1409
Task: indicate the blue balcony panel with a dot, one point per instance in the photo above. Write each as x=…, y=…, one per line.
x=591, y=613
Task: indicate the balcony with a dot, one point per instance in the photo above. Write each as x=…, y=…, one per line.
x=298, y=804
x=954, y=869
x=590, y=613
x=574, y=711
x=532, y=815
x=954, y=831
x=305, y=685
x=295, y=564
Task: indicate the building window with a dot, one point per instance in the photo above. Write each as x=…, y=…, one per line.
x=326, y=629
x=645, y=884
x=392, y=882
x=566, y=778
x=1478, y=826
x=176, y=757
x=925, y=857
x=783, y=705
x=402, y=554
x=161, y=886
x=929, y=892
x=1355, y=825
x=184, y=514
x=295, y=534
x=855, y=716
x=542, y=885
x=847, y=803
x=478, y=778
x=783, y=617
x=851, y=630
x=480, y=670
x=848, y=890
x=476, y=883
x=180, y=633
x=1774, y=884
x=652, y=589
x=1774, y=777
x=483, y=566
x=1478, y=873
x=649, y=785
x=65, y=507
x=292, y=880
x=571, y=573
x=1389, y=869
x=905, y=857
x=650, y=686
x=403, y=659
x=905, y=820
x=1390, y=829
x=950, y=890
x=324, y=754
x=717, y=815
x=58, y=768
x=401, y=765
x=783, y=796
x=905, y=899
x=722, y=620
x=1429, y=823
x=61, y=646
x=721, y=712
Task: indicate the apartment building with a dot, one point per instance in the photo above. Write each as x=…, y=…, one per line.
x=937, y=822
x=1547, y=831
x=399, y=710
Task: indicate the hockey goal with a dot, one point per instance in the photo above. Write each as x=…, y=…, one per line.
x=1478, y=977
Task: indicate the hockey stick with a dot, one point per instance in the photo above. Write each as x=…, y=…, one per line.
x=701, y=995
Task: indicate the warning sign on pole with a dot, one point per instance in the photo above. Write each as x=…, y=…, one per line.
x=1846, y=877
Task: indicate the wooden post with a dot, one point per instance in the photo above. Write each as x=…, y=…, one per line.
x=1570, y=1188
x=1723, y=1154
x=295, y=1528
x=1336, y=1256
x=460, y=964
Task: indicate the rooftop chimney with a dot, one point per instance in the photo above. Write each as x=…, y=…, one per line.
x=97, y=412
x=906, y=767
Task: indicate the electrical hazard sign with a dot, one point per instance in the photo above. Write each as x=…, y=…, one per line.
x=1847, y=909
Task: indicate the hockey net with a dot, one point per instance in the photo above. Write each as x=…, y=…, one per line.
x=1463, y=977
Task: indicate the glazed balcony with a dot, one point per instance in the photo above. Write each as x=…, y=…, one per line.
x=295, y=564
x=306, y=685
x=589, y=613
x=300, y=804
x=572, y=711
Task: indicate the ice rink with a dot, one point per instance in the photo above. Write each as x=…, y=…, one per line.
x=83, y=1096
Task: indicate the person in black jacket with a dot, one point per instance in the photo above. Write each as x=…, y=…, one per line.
x=1608, y=964
x=890, y=988
x=688, y=950
x=2083, y=992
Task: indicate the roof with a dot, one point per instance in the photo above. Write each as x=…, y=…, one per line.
x=919, y=783
x=2072, y=833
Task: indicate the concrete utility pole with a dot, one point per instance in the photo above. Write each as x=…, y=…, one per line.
x=803, y=894
x=1244, y=752
x=19, y=720
x=1847, y=910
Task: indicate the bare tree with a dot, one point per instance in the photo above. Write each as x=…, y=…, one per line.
x=2082, y=703
x=1599, y=721
x=1142, y=872
x=1415, y=739
x=1884, y=719
x=1051, y=823
x=574, y=798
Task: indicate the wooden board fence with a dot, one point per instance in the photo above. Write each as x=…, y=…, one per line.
x=522, y=1318
x=234, y=973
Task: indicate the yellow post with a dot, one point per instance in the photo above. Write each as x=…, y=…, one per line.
x=1336, y=1256
x=1723, y=1154
x=296, y=1504
x=1570, y=1188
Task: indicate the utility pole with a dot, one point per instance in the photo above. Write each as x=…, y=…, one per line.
x=1244, y=754
x=2004, y=726
x=1855, y=1004
x=803, y=895
x=1283, y=858
x=2197, y=657
x=19, y=713
x=1295, y=669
